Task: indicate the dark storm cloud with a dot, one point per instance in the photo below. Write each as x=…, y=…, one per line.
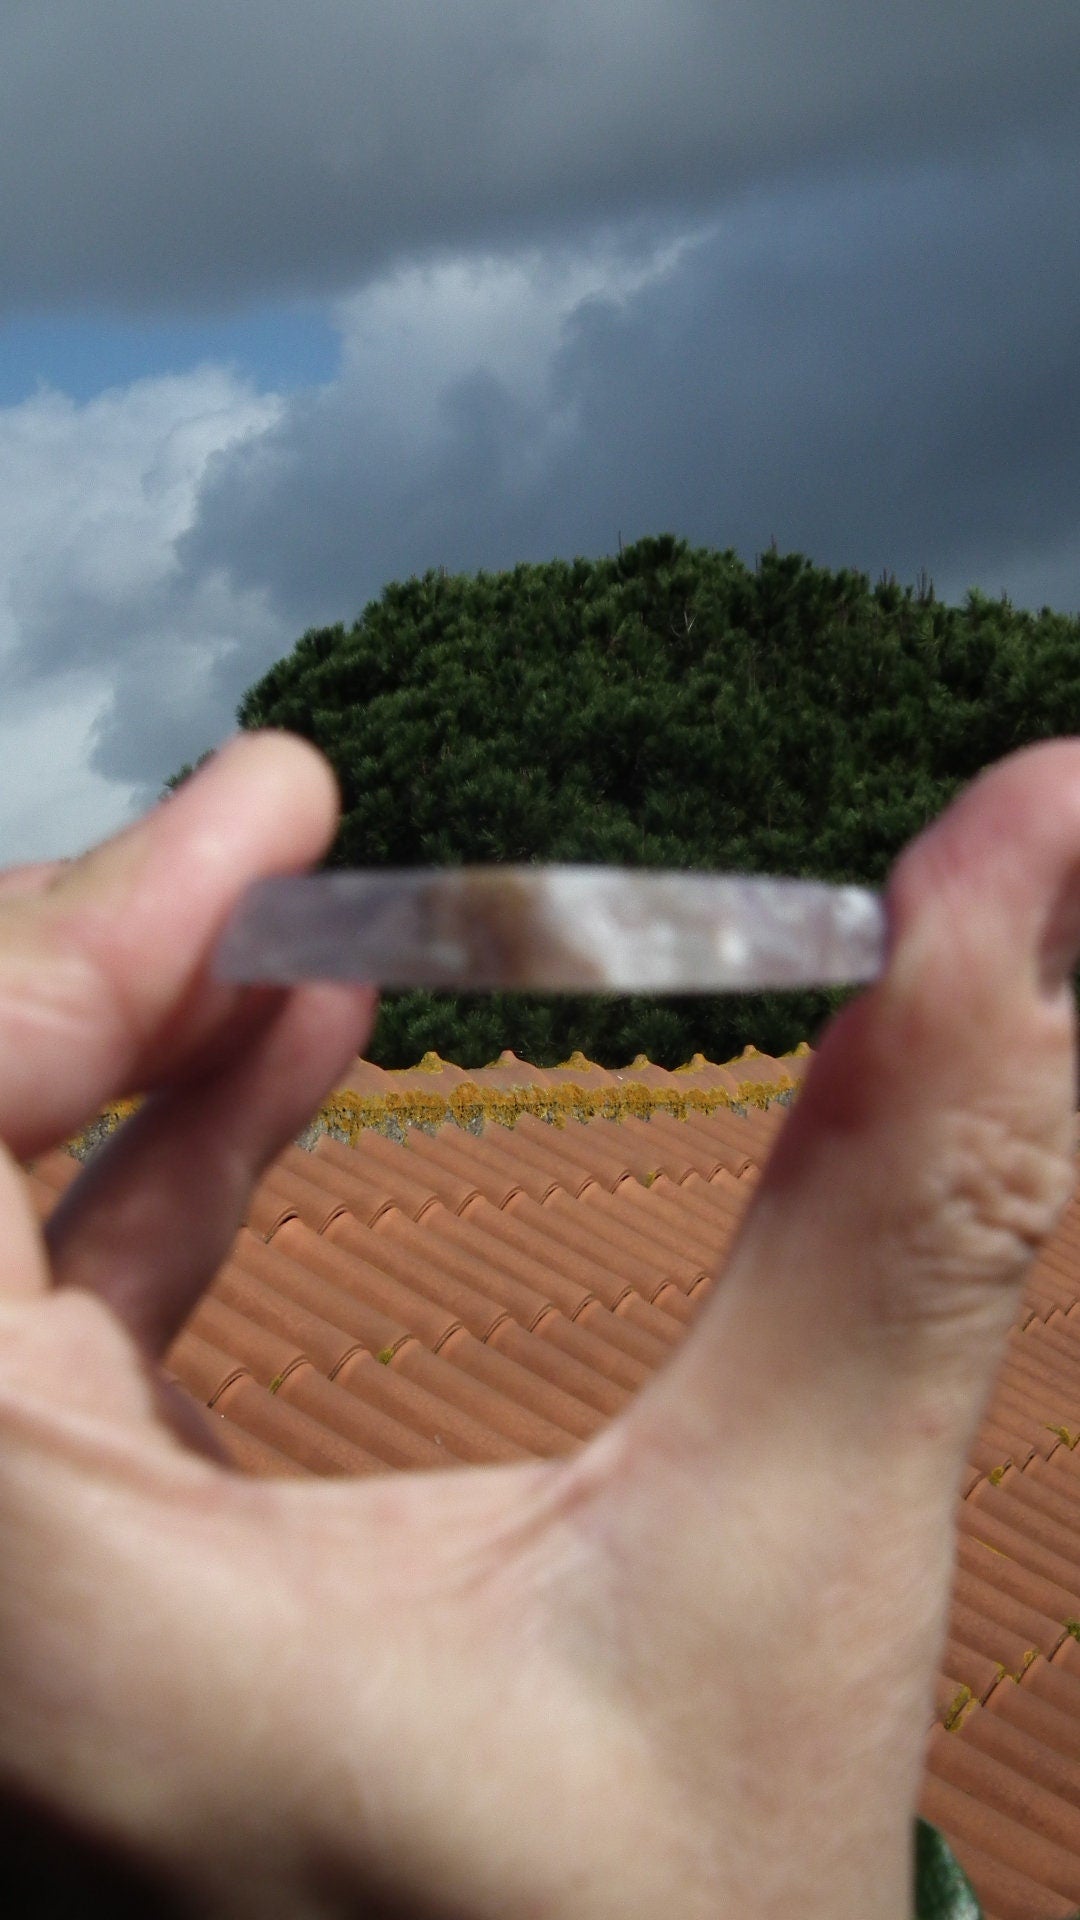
x=885, y=373
x=157, y=156
x=881, y=375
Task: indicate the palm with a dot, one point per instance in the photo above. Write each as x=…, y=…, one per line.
x=408, y=1640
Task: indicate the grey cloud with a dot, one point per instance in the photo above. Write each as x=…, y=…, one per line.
x=156, y=156
x=167, y=704
x=170, y=658
x=321, y=511
x=52, y=802
x=882, y=375
x=92, y=499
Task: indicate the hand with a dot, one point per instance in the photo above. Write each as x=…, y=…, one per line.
x=686, y=1672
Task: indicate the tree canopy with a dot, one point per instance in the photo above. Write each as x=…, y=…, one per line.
x=666, y=706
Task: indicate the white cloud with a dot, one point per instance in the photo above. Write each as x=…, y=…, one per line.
x=125, y=644
x=52, y=802
x=430, y=446
x=93, y=499
x=503, y=314
x=95, y=495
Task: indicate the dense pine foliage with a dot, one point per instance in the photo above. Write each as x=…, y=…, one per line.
x=666, y=706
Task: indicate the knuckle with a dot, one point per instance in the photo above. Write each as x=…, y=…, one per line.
x=988, y=1200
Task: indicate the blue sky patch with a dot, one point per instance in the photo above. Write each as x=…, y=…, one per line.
x=279, y=348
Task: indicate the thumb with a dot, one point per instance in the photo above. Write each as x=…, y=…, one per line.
x=930, y=1151
x=773, y=1516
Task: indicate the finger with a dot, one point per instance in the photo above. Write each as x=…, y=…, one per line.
x=842, y=1363
x=776, y=1510
x=104, y=981
x=838, y=1372
x=154, y=1213
x=930, y=1151
x=32, y=877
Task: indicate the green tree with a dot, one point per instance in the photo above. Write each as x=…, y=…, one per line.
x=665, y=706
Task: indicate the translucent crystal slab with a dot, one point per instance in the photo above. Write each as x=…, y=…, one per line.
x=553, y=929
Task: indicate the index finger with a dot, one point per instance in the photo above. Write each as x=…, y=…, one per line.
x=104, y=981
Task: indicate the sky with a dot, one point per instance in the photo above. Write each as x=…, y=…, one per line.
x=299, y=297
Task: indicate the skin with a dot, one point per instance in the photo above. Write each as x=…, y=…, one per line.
x=687, y=1671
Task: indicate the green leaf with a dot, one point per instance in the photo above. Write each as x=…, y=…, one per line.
x=942, y=1888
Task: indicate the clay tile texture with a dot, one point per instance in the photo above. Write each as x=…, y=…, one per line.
x=458, y=1267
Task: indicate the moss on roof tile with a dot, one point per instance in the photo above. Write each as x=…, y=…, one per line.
x=473, y=1103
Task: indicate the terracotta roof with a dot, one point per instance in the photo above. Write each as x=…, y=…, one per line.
x=418, y=1295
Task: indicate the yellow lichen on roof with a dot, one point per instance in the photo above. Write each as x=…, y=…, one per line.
x=479, y=1096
